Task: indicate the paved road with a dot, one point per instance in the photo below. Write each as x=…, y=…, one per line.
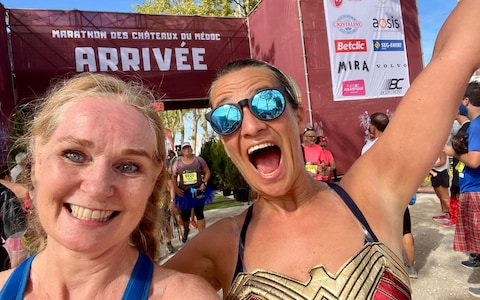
x=440, y=275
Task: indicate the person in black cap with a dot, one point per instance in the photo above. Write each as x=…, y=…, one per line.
x=190, y=175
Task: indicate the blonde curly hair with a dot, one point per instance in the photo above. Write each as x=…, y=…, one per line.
x=47, y=116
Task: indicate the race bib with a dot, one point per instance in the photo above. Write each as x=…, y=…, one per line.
x=312, y=168
x=460, y=167
x=189, y=177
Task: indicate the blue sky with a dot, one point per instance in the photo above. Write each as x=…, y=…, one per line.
x=432, y=13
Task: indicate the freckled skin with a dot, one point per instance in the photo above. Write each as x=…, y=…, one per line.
x=97, y=135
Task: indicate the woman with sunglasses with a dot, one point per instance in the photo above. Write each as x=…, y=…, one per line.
x=305, y=239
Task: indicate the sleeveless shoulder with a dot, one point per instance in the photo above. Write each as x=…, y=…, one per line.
x=15, y=285
x=138, y=286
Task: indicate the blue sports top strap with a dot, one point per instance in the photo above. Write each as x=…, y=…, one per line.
x=369, y=235
x=137, y=288
x=139, y=284
x=15, y=286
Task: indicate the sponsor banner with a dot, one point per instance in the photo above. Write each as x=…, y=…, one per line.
x=177, y=55
x=368, y=56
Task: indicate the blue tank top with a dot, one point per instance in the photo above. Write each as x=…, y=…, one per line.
x=137, y=288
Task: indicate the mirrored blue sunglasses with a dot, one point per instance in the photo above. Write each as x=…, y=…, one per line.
x=267, y=104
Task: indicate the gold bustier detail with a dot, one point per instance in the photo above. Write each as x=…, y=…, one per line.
x=374, y=270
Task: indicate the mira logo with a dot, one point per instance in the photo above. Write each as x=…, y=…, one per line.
x=350, y=46
x=352, y=65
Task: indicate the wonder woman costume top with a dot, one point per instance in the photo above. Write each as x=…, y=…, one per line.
x=375, y=272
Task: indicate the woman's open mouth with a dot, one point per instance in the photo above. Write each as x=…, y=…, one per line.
x=265, y=157
x=87, y=214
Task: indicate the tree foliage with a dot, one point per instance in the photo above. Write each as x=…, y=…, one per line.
x=224, y=172
x=174, y=120
x=219, y=8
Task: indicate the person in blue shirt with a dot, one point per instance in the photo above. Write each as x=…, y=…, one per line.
x=467, y=231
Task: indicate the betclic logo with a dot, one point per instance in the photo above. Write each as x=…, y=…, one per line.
x=357, y=45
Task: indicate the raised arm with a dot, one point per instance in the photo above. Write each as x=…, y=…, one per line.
x=396, y=165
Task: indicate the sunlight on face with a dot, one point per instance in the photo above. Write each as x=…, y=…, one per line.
x=94, y=176
x=264, y=151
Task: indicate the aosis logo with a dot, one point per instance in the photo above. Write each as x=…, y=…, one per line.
x=347, y=24
x=386, y=23
x=354, y=65
x=393, y=86
x=391, y=66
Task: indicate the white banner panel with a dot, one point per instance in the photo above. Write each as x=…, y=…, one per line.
x=368, y=56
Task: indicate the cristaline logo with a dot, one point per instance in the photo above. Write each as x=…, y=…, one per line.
x=347, y=24
x=350, y=46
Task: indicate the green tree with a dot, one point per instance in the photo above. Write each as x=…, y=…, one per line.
x=224, y=172
x=174, y=121
x=219, y=8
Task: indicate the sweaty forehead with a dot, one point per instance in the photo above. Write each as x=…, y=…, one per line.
x=257, y=72
x=242, y=83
